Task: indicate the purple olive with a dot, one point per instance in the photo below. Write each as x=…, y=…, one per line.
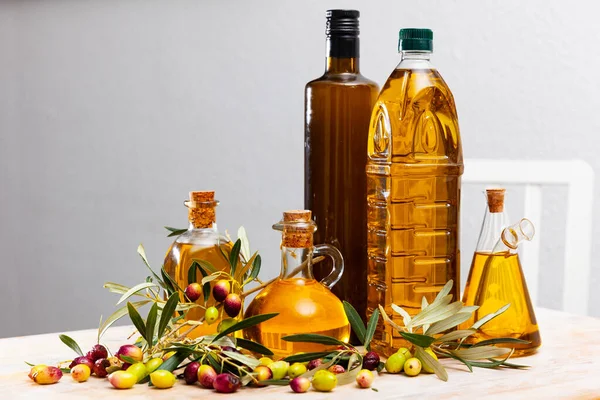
x=221, y=290
x=100, y=367
x=82, y=360
x=314, y=364
x=190, y=374
x=226, y=383
x=97, y=352
x=371, y=361
x=232, y=305
x=300, y=384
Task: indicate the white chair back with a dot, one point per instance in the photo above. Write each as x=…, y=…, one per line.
x=578, y=176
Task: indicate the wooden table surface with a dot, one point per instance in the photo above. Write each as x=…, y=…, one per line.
x=566, y=366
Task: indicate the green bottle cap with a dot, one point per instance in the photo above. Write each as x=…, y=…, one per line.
x=415, y=39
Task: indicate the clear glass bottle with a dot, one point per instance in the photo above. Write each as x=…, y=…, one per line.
x=200, y=242
x=496, y=279
x=414, y=169
x=304, y=304
x=337, y=109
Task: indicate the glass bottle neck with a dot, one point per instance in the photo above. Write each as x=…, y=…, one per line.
x=211, y=227
x=342, y=54
x=296, y=262
x=493, y=224
x=342, y=65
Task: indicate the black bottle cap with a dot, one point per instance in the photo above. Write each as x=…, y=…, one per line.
x=342, y=23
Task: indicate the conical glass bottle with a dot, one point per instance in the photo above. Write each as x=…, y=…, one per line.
x=200, y=242
x=304, y=304
x=496, y=279
x=414, y=169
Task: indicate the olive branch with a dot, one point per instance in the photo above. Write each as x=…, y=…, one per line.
x=436, y=321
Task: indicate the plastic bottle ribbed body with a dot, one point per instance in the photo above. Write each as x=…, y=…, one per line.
x=413, y=194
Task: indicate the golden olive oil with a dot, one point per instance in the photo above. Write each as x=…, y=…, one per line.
x=413, y=191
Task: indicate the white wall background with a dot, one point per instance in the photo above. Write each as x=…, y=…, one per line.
x=110, y=112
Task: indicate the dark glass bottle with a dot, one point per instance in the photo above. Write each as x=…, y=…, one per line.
x=338, y=108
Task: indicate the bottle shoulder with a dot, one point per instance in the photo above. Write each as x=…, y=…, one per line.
x=342, y=79
x=207, y=237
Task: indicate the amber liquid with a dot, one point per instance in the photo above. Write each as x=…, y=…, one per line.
x=304, y=306
x=338, y=108
x=413, y=195
x=494, y=281
x=177, y=263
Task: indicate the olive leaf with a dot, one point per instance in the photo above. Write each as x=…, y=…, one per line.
x=371, y=327
x=255, y=268
x=447, y=323
x=234, y=256
x=245, y=243
x=455, y=335
x=314, y=338
x=142, y=252
x=246, y=323
x=175, y=231
x=358, y=326
x=116, y=288
x=172, y=363
x=304, y=357
x=167, y=312
x=71, y=343
x=253, y=346
x=151, y=323
x=430, y=362
x=205, y=265
x=249, y=361
x=418, y=340
x=135, y=290
x=137, y=320
x=405, y=316
x=489, y=317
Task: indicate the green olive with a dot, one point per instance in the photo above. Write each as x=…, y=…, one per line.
x=266, y=361
x=153, y=364
x=324, y=381
x=279, y=369
x=139, y=370
x=395, y=363
x=162, y=379
x=405, y=352
x=412, y=367
x=211, y=315
x=296, y=369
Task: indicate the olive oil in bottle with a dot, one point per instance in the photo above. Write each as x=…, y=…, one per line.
x=337, y=112
x=413, y=188
x=200, y=242
x=496, y=280
x=304, y=304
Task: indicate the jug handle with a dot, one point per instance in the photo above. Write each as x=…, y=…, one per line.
x=338, y=263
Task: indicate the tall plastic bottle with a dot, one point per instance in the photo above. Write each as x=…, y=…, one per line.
x=414, y=169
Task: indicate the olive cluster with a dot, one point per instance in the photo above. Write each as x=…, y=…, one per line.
x=222, y=293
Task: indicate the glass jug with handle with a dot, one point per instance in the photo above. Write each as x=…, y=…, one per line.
x=304, y=304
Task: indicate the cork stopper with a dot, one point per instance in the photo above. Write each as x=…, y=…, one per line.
x=495, y=200
x=201, y=209
x=298, y=229
x=297, y=216
x=201, y=197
